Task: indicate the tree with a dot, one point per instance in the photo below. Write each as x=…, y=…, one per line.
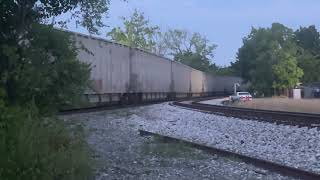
x=137, y=32
x=50, y=74
x=308, y=39
x=191, y=49
x=180, y=41
x=287, y=73
x=196, y=61
x=225, y=71
x=39, y=71
x=261, y=50
x=23, y=46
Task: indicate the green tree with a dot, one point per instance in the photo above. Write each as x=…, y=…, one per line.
x=196, y=61
x=39, y=71
x=287, y=73
x=137, y=32
x=308, y=39
x=49, y=74
x=261, y=50
x=225, y=71
x=191, y=49
x=25, y=50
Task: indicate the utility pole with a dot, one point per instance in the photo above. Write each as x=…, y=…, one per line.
x=235, y=87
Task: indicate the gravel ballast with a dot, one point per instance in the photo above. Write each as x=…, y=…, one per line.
x=121, y=153
x=287, y=145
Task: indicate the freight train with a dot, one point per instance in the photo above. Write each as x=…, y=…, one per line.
x=121, y=74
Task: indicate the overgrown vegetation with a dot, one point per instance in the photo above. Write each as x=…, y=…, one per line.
x=277, y=58
x=34, y=147
x=159, y=146
x=39, y=72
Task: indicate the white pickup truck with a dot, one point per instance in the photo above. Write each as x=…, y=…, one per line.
x=241, y=96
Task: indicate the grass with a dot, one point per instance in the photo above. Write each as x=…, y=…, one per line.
x=34, y=147
x=159, y=146
x=283, y=104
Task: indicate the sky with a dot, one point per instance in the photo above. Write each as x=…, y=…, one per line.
x=222, y=22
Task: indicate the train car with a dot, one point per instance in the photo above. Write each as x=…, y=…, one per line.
x=181, y=80
x=209, y=85
x=150, y=75
x=197, y=82
x=121, y=74
x=110, y=66
x=226, y=83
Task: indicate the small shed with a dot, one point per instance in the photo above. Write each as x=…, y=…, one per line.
x=296, y=93
x=312, y=90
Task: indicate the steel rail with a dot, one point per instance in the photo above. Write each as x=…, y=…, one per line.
x=274, y=167
x=278, y=117
x=104, y=107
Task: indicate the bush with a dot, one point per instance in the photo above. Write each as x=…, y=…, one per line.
x=37, y=76
x=45, y=71
x=32, y=147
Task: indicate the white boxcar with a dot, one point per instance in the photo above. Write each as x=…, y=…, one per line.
x=109, y=63
x=149, y=73
x=197, y=78
x=181, y=78
x=226, y=83
x=209, y=83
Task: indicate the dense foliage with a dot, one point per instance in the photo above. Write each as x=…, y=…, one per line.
x=34, y=147
x=308, y=41
x=277, y=58
x=47, y=72
x=191, y=49
x=39, y=72
x=137, y=32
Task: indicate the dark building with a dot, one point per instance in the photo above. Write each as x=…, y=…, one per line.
x=312, y=90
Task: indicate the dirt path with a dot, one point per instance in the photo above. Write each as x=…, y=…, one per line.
x=283, y=104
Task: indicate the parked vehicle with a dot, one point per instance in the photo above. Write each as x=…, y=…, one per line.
x=241, y=96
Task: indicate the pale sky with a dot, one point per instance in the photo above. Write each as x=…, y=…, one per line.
x=223, y=22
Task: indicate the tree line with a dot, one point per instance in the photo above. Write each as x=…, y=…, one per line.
x=278, y=58
x=192, y=49
x=272, y=60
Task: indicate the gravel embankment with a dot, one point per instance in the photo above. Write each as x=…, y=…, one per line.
x=288, y=145
x=121, y=153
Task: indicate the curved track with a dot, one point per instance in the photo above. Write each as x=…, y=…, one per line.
x=104, y=107
x=278, y=117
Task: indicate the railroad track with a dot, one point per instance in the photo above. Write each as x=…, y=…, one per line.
x=278, y=117
x=104, y=107
x=274, y=167
x=287, y=118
